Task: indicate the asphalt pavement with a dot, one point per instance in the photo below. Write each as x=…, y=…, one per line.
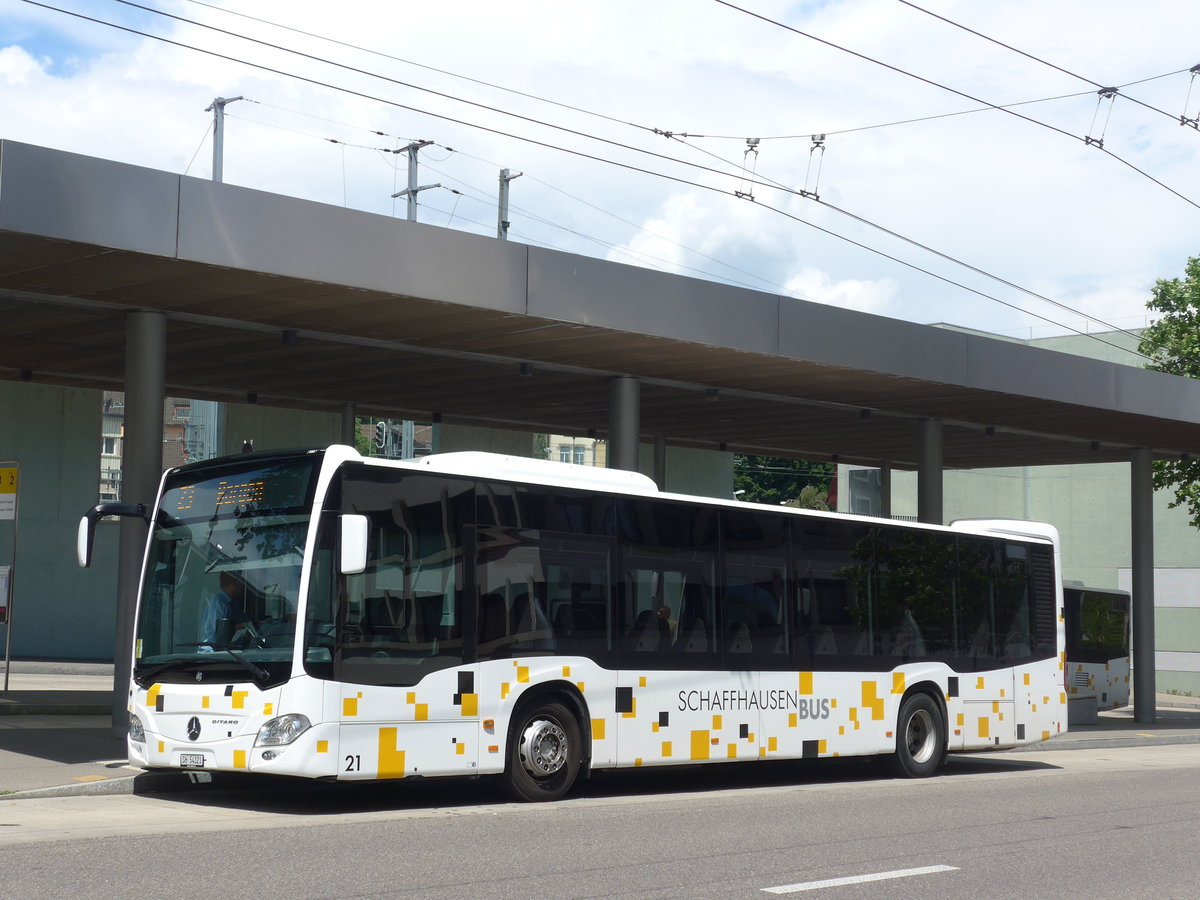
x=57, y=737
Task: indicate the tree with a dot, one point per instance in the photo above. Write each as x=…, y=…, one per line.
x=1173, y=345
x=771, y=480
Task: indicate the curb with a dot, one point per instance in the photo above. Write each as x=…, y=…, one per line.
x=54, y=709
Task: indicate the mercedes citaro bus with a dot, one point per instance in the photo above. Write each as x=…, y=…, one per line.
x=320, y=614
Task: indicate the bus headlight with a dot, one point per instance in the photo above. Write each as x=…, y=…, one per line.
x=136, y=732
x=282, y=730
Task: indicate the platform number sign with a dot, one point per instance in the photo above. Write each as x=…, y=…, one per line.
x=8, y=493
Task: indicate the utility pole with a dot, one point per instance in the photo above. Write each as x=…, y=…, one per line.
x=413, y=189
x=217, y=108
x=502, y=209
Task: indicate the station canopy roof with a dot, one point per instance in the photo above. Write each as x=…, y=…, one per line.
x=312, y=306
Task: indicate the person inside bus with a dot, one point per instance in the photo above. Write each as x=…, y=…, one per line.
x=228, y=605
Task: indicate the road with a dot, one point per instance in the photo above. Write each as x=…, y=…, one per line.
x=1086, y=823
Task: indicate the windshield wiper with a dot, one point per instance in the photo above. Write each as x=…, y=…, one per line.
x=146, y=677
x=261, y=675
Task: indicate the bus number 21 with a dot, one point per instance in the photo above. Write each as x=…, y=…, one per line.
x=353, y=763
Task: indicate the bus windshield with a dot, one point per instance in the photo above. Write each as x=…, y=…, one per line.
x=222, y=579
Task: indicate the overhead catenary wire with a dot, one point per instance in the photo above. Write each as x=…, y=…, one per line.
x=535, y=142
x=1037, y=59
x=752, y=143
x=921, y=78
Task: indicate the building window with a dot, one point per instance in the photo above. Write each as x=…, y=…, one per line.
x=110, y=445
x=579, y=453
x=564, y=453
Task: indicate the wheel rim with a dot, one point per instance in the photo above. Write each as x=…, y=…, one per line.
x=920, y=736
x=543, y=748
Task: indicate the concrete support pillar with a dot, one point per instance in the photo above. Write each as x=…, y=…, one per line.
x=1141, y=520
x=141, y=468
x=660, y=461
x=624, y=420
x=348, y=414
x=929, y=473
x=885, y=489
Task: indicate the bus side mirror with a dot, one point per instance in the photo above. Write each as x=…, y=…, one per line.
x=87, y=526
x=354, y=531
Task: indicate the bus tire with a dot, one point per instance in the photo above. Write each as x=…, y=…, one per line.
x=543, y=752
x=920, y=738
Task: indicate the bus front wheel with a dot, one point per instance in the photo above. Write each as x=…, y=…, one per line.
x=543, y=752
x=920, y=738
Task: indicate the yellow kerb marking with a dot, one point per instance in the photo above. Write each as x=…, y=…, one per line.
x=897, y=682
x=700, y=745
x=806, y=682
x=86, y=778
x=391, y=760
x=322, y=746
x=598, y=729
x=239, y=759
x=470, y=704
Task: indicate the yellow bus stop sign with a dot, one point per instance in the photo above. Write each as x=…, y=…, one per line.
x=8, y=492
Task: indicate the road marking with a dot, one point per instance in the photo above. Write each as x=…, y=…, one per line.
x=857, y=879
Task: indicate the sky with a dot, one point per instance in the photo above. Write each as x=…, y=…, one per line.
x=848, y=152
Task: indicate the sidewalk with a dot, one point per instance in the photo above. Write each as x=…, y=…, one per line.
x=56, y=735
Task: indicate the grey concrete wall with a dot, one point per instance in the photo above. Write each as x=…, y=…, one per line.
x=449, y=438
x=59, y=610
x=272, y=428
x=702, y=473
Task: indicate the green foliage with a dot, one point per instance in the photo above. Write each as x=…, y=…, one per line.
x=362, y=443
x=1173, y=345
x=812, y=496
x=771, y=480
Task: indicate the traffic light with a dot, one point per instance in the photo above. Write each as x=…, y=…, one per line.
x=380, y=435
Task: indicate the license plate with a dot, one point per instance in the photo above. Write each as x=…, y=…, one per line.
x=192, y=760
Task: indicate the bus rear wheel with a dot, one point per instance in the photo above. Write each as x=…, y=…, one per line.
x=920, y=738
x=543, y=752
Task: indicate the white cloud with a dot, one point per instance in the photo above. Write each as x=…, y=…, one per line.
x=865, y=296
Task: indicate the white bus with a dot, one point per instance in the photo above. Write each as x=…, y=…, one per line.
x=1097, y=633
x=319, y=614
